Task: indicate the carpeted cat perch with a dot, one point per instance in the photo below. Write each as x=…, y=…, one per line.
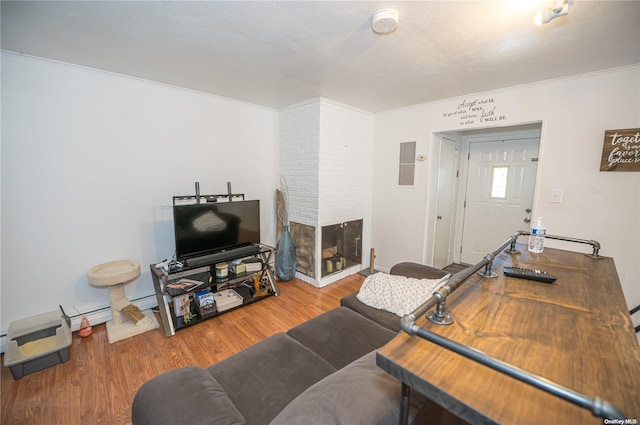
x=127, y=319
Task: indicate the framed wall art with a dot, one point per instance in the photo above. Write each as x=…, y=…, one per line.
x=621, y=150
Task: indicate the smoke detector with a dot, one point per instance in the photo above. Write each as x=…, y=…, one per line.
x=384, y=21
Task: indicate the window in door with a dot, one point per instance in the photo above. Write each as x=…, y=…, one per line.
x=499, y=177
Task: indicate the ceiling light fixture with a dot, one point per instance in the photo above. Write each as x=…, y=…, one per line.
x=546, y=15
x=384, y=21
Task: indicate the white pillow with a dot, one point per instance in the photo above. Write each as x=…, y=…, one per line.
x=397, y=294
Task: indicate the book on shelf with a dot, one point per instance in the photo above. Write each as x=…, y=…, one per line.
x=204, y=298
x=181, y=305
x=182, y=286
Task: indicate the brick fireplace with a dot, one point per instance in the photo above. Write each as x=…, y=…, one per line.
x=326, y=160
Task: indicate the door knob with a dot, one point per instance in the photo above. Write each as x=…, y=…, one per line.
x=528, y=210
x=527, y=220
x=439, y=217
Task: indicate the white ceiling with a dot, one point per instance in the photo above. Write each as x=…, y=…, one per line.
x=278, y=53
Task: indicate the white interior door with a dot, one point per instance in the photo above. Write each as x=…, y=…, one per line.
x=499, y=194
x=447, y=170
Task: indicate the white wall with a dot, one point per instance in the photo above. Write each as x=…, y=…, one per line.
x=90, y=162
x=575, y=112
x=299, y=130
x=345, y=164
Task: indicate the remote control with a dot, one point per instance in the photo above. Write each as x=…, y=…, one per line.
x=530, y=274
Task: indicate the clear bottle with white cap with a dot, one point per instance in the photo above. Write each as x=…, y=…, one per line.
x=536, y=238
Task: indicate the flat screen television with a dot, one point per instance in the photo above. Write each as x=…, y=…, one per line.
x=203, y=229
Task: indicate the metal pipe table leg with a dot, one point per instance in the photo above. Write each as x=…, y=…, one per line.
x=404, y=404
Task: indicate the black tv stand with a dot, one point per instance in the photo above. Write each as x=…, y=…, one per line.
x=203, y=269
x=220, y=256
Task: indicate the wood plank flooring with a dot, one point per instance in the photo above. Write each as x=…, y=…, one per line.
x=98, y=383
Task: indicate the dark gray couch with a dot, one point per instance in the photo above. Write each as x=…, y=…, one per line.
x=320, y=372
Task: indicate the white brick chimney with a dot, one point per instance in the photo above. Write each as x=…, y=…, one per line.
x=326, y=151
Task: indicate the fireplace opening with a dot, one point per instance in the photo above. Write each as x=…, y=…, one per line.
x=341, y=246
x=304, y=240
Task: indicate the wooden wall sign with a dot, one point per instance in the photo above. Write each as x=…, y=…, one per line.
x=621, y=150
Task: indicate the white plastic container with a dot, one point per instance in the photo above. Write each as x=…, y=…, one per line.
x=536, y=239
x=227, y=299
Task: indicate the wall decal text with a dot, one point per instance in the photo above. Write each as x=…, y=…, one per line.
x=476, y=111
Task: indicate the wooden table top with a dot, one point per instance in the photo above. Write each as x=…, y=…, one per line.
x=576, y=332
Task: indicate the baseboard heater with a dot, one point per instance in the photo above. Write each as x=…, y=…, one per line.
x=97, y=316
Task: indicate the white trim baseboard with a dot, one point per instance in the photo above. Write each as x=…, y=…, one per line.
x=98, y=316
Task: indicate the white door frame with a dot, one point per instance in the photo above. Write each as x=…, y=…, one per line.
x=445, y=213
x=525, y=130
x=464, y=162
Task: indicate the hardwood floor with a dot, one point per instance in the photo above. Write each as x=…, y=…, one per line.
x=98, y=383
